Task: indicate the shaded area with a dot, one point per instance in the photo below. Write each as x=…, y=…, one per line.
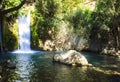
x=9, y=39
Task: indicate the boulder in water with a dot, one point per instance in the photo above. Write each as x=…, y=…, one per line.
x=71, y=57
x=9, y=65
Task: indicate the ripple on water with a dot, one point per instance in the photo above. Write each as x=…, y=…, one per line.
x=39, y=68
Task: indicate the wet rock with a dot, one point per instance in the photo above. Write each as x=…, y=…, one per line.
x=9, y=65
x=111, y=52
x=71, y=57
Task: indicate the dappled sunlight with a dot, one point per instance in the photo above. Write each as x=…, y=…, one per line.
x=107, y=71
x=23, y=67
x=89, y=4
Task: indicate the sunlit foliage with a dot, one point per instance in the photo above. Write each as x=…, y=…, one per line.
x=91, y=19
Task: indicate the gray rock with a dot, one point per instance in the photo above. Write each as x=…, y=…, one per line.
x=71, y=57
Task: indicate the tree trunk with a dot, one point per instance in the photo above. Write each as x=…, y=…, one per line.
x=118, y=37
x=1, y=34
x=116, y=30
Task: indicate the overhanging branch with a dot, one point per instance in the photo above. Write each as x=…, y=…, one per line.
x=3, y=12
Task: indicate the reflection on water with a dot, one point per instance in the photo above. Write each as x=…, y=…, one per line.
x=40, y=68
x=24, y=66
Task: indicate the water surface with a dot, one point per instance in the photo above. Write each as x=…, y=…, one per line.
x=40, y=68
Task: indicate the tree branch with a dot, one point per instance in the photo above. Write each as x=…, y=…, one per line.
x=3, y=12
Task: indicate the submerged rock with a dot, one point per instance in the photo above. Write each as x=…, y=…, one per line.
x=71, y=57
x=9, y=65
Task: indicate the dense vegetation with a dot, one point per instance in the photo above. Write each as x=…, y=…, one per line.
x=97, y=21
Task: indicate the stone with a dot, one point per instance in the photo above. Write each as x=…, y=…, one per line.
x=49, y=45
x=9, y=65
x=71, y=57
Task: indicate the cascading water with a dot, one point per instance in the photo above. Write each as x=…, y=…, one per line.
x=24, y=32
x=24, y=35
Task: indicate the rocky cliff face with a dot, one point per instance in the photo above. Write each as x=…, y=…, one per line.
x=66, y=39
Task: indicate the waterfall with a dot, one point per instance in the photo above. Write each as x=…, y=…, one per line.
x=24, y=32
x=24, y=35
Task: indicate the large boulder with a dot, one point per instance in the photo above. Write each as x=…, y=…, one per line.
x=71, y=57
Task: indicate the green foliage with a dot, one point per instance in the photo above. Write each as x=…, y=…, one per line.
x=88, y=23
x=106, y=10
x=8, y=34
x=81, y=22
x=49, y=14
x=23, y=11
x=105, y=22
x=9, y=39
x=7, y=4
x=11, y=3
x=46, y=17
x=9, y=28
